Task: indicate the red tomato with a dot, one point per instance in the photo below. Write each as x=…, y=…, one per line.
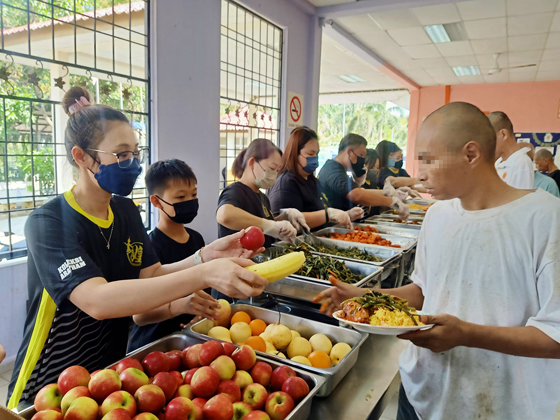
x=253, y=238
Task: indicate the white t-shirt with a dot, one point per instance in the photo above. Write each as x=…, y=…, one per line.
x=517, y=171
x=498, y=267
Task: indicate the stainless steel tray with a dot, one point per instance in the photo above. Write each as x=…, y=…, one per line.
x=405, y=243
x=296, y=288
x=392, y=215
x=180, y=341
x=386, y=253
x=371, y=273
x=306, y=328
x=389, y=230
x=380, y=220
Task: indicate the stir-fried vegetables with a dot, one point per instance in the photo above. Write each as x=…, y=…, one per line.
x=353, y=252
x=371, y=301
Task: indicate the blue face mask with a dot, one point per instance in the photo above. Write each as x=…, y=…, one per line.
x=312, y=164
x=116, y=180
x=391, y=162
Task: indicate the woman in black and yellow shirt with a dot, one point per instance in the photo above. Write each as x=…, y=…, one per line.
x=391, y=167
x=90, y=262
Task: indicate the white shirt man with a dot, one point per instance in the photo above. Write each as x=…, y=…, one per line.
x=517, y=170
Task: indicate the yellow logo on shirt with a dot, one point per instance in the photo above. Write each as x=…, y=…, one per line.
x=266, y=212
x=134, y=252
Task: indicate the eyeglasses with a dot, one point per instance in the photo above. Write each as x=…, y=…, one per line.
x=125, y=159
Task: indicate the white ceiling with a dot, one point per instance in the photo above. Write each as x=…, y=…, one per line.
x=523, y=31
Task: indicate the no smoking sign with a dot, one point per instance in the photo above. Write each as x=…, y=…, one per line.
x=295, y=110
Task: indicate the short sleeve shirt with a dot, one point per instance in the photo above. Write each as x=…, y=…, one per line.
x=335, y=184
x=169, y=251
x=555, y=175
x=243, y=197
x=66, y=247
x=387, y=172
x=294, y=192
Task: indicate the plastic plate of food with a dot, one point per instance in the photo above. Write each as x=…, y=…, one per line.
x=377, y=313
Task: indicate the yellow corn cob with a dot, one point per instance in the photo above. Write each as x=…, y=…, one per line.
x=280, y=267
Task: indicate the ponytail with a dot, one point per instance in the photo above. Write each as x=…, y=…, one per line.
x=259, y=149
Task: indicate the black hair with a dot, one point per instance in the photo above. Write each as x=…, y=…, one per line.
x=259, y=149
x=384, y=149
x=160, y=173
x=351, y=139
x=88, y=124
x=371, y=158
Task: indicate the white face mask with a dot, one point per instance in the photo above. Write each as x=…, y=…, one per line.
x=268, y=179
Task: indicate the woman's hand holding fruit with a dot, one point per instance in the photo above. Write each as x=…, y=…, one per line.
x=229, y=276
x=228, y=247
x=199, y=303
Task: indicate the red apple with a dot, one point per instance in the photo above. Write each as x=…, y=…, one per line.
x=114, y=367
x=242, y=379
x=295, y=387
x=72, y=377
x=225, y=367
x=209, y=352
x=244, y=357
x=240, y=410
x=229, y=348
x=104, y=383
x=175, y=360
x=205, y=382
x=48, y=414
x=132, y=379
x=117, y=414
x=256, y=415
x=70, y=396
x=261, y=373
x=48, y=397
x=83, y=408
x=129, y=362
x=189, y=375
x=150, y=398
x=184, y=391
x=255, y=395
x=155, y=362
x=119, y=399
x=253, y=238
x=218, y=408
x=95, y=372
x=199, y=404
x=231, y=389
x=145, y=416
x=279, y=405
x=178, y=377
x=161, y=416
x=190, y=356
x=180, y=408
x=167, y=382
x=280, y=374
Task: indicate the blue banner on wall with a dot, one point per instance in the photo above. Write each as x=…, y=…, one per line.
x=540, y=139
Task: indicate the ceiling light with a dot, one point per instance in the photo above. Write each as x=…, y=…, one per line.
x=437, y=33
x=351, y=78
x=466, y=70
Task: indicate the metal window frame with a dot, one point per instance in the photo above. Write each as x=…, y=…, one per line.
x=138, y=194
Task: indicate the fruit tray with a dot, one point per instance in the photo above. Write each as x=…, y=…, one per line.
x=306, y=328
x=387, y=254
x=180, y=341
x=371, y=274
x=388, y=230
x=405, y=243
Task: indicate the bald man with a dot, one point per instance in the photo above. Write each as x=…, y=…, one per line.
x=545, y=163
x=513, y=164
x=487, y=267
x=541, y=181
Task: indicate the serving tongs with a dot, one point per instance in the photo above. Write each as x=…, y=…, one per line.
x=311, y=239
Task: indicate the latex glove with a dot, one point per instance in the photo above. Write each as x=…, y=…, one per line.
x=402, y=209
x=339, y=216
x=403, y=193
x=361, y=180
x=295, y=217
x=355, y=213
x=414, y=194
x=388, y=189
x=282, y=229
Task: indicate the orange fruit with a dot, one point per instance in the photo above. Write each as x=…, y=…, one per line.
x=257, y=326
x=257, y=343
x=320, y=359
x=240, y=317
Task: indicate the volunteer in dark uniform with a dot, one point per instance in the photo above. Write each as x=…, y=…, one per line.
x=372, y=165
x=90, y=263
x=296, y=186
x=242, y=204
x=342, y=190
x=391, y=162
x=173, y=191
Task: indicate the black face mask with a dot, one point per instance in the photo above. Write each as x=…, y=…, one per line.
x=185, y=211
x=358, y=167
x=399, y=164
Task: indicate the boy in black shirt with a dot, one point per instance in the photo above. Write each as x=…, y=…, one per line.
x=172, y=188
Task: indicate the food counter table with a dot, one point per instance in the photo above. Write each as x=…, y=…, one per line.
x=367, y=389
